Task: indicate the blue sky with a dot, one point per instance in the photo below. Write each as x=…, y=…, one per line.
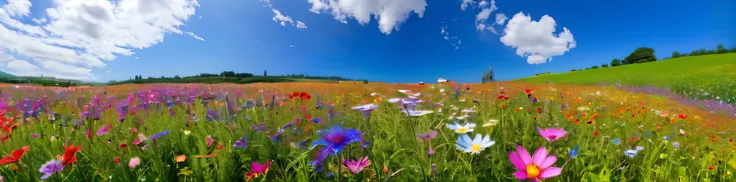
x=242, y=36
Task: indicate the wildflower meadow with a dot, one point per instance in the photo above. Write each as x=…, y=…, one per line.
x=500, y=131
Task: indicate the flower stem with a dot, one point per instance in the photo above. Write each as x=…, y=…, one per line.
x=419, y=148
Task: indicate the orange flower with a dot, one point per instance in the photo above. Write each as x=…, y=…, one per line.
x=180, y=158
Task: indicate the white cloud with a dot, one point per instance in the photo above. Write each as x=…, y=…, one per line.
x=500, y=19
x=536, y=40
x=191, y=34
x=454, y=41
x=482, y=17
x=465, y=4
x=483, y=3
x=22, y=68
x=40, y=20
x=18, y=8
x=300, y=24
x=283, y=19
x=389, y=13
x=78, y=35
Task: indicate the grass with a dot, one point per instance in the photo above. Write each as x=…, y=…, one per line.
x=635, y=119
x=702, y=77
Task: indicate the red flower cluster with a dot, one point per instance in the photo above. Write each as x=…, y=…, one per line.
x=303, y=95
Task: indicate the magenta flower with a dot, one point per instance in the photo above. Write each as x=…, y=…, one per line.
x=552, y=134
x=357, y=165
x=104, y=129
x=534, y=168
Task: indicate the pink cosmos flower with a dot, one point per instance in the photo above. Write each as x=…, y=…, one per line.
x=357, y=165
x=534, y=168
x=552, y=134
x=134, y=162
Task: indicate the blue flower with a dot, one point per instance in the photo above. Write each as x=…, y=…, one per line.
x=574, y=151
x=667, y=138
x=51, y=167
x=676, y=145
x=616, y=141
x=334, y=139
x=316, y=120
x=156, y=136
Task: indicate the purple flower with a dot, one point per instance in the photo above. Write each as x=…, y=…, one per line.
x=242, y=143
x=103, y=130
x=50, y=168
x=432, y=134
x=35, y=135
x=335, y=139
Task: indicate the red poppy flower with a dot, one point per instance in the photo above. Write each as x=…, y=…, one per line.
x=291, y=96
x=539, y=110
x=528, y=91
x=595, y=133
x=303, y=94
x=682, y=116
x=70, y=155
x=711, y=168
x=15, y=156
x=116, y=160
x=123, y=145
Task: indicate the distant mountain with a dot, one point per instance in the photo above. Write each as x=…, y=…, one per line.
x=6, y=75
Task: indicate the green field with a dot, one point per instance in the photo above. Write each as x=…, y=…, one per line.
x=702, y=77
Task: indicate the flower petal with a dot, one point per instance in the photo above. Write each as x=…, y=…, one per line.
x=549, y=161
x=550, y=172
x=516, y=161
x=521, y=174
x=524, y=155
x=539, y=156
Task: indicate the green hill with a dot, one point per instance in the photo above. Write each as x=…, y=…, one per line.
x=6, y=75
x=703, y=77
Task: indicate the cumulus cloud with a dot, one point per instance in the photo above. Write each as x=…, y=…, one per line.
x=283, y=19
x=536, y=40
x=389, y=13
x=78, y=35
x=18, y=7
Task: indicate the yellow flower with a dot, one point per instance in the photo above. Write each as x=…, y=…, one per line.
x=187, y=132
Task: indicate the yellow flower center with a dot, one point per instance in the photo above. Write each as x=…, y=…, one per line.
x=476, y=147
x=532, y=171
x=462, y=130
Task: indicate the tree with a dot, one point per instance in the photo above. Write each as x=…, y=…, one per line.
x=264, y=73
x=616, y=62
x=702, y=52
x=177, y=77
x=604, y=65
x=676, y=54
x=572, y=70
x=488, y=76
x=640, y=55
x=733, y=49
x=594, y=67
x=721, y=49
x=227, y=74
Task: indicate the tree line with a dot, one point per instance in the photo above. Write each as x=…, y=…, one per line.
x=646, y=54
x=227, y=77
